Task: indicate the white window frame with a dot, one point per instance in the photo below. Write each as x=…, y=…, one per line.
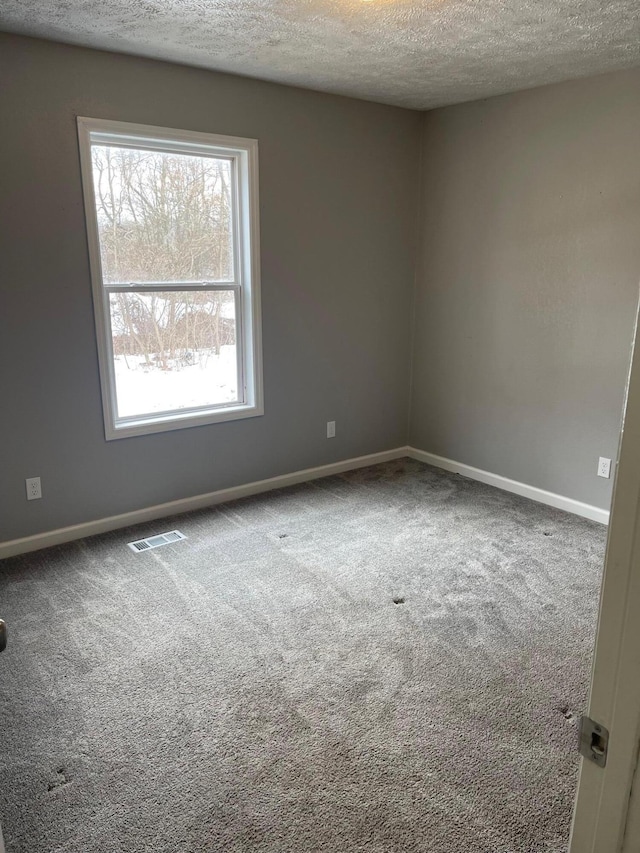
x=246, y=276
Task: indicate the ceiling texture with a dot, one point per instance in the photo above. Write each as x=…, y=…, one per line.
x=411, y=53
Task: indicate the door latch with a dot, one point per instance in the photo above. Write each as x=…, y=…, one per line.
x=594, y=741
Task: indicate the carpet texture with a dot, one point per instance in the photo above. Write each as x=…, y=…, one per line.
x=387, y=660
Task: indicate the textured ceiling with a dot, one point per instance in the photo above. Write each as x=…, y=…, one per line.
x=413, y=53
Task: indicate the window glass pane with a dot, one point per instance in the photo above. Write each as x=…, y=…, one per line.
x=173, y=350
x=162, y=216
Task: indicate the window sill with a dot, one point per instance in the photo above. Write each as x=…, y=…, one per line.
x=152, y=424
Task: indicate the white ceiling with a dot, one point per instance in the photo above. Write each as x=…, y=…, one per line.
x=413, y=53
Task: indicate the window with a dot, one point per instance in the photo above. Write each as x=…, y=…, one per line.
x=172, y=225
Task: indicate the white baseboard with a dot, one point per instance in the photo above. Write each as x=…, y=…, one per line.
x=126, y=519
x=540, y=495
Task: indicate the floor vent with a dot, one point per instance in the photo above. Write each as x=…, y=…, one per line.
x=156, y=541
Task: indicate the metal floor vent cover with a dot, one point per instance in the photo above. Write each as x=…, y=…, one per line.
x=156, y=541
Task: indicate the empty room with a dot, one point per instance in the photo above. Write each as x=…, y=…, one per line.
x=320, y=434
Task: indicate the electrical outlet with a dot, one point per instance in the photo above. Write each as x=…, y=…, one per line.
x=34, y=489
x=331, y=429
x=604, y=467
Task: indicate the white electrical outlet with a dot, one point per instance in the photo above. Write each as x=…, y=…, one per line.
x=331, y=429
x=34, y=489
x=604, y=467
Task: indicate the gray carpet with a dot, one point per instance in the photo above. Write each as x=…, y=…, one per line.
x=258, y=688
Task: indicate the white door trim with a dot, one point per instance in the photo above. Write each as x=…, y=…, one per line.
x=602, y=804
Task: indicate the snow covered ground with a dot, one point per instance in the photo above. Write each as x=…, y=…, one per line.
x=210, y=380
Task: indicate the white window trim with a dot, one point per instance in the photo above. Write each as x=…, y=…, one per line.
x=246, y=276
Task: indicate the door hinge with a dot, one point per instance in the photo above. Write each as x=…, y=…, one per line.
x=594, y=741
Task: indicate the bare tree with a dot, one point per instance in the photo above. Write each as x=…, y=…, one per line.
x=165, y=217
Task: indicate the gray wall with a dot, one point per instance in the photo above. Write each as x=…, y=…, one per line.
x=524, y=304
x=528, y=281
x=338, y=205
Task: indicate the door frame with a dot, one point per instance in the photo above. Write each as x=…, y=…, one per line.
x=602, y=815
